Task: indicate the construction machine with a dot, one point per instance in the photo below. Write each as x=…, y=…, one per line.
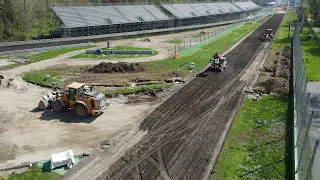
x=78, y=97
x=218, y=62
x=268, y=36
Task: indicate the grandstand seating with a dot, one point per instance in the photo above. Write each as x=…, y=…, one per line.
x=83, y=16
x=94, y=20
x=246, y=6
x=201, y=9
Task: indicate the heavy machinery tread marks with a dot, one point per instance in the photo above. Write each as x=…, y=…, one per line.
x=57, y=106
x=81, y=111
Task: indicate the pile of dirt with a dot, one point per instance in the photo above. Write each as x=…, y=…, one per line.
x=146, y=40
x=277, y=75
x=272, y=85
x=118, y=68
x=175, y=74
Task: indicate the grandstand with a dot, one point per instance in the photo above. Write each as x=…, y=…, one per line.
x=96, y=20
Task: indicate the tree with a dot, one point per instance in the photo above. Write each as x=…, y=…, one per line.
x=8, y=17
x=314, y=9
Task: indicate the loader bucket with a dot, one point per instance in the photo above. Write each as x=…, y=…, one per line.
x=43, y=104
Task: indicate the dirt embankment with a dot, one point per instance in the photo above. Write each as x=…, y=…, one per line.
x=275, y=78
x=118, y=68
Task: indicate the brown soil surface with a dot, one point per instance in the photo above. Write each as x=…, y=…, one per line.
x=183, y=133
x=118, y=68
x=29, y=135
x=276, y=77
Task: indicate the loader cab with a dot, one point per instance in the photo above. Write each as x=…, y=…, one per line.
x=74, y=90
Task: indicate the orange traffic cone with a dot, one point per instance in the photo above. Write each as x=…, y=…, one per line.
x=176, y=56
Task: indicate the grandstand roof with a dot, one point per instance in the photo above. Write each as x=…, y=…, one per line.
x=82, y=16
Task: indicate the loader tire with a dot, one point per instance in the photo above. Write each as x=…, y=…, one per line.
x=81, y=111
x=57, y=106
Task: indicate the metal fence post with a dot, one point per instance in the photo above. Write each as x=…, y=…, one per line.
x=312, y=159
x=175, y=49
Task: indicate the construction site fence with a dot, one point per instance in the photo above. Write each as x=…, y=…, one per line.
x=306, y=151
x=198, y=40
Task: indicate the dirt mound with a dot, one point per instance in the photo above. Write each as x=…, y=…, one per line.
x=146, y=40
x=118, y=68
x=268, y=69
x=175, y=74
x=273, y=85
x=286, y=52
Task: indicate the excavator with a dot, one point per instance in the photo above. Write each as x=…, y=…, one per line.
x=78, y=97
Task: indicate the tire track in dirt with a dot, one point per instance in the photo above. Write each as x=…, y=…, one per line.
x=196, y=120
x=184, y=130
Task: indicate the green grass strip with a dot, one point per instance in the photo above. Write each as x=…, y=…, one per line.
x=311, y=54
x=255, y=146
x=188, y=50
x=201, y=56
x=49, y=54
x=34, y=173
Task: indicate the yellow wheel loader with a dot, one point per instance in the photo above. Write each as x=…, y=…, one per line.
x=78, y=97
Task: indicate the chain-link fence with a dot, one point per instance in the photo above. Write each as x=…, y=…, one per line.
x=306, y=146
x=189, y=44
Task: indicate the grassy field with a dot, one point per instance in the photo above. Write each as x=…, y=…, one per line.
x=39, y=76
x=175, y=41
x=202, y=55
x=311, y=54
x=316, y=30
x=117, y=56
x=49, y=54
x=255, y=146
x=133, y=90
x=34, y=174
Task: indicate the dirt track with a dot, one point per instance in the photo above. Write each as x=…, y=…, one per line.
x=183, y=132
